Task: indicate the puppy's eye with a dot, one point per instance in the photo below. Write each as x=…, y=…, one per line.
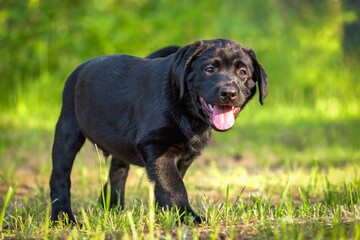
x=242, y=73
x=210, y=69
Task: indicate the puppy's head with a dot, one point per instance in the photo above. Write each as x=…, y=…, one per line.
x=219, y=77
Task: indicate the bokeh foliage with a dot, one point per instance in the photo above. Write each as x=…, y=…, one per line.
x=299, y=43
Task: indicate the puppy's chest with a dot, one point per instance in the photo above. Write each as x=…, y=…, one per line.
x=195, y=144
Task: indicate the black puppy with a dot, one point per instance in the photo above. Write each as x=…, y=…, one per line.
x=156, y=113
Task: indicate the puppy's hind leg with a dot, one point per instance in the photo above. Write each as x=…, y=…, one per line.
x=117, y=177
x=68, y=141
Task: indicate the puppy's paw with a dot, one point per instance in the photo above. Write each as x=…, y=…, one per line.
x=199, y=219
x=192, y=217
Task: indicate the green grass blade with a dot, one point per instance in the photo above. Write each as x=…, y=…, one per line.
x=132, y=225
x=151, y=217
x=7, y=200
x=47, y=222
x=108, y=196
x=351, y=197
x=3, y=178
x=105, y=199
x=86, y=220
x=227, y=206
x=285, y=192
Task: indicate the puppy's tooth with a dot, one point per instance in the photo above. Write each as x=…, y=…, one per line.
x=210, y=107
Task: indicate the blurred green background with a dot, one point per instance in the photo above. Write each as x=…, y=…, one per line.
x=309, y=49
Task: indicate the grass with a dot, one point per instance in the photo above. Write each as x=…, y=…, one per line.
x=283, y=173
x=322, y=210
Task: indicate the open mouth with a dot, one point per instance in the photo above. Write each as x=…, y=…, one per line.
x=221, y=116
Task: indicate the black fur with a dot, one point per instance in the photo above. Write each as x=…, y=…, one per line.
x=164, y=52
x=148, y=112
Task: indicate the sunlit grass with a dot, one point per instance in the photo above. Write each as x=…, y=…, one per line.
x=292, y=209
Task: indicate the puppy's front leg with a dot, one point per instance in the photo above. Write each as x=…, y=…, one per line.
x=169, y=186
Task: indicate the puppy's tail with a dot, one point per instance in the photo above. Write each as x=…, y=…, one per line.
x=164, y=52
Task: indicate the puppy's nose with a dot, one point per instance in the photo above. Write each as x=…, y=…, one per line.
x=228, y=93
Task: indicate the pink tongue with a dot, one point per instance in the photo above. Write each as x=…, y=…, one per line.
x=223, y=117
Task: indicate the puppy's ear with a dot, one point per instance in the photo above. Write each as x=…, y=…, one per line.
x=181, y=65
x=259, y=75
